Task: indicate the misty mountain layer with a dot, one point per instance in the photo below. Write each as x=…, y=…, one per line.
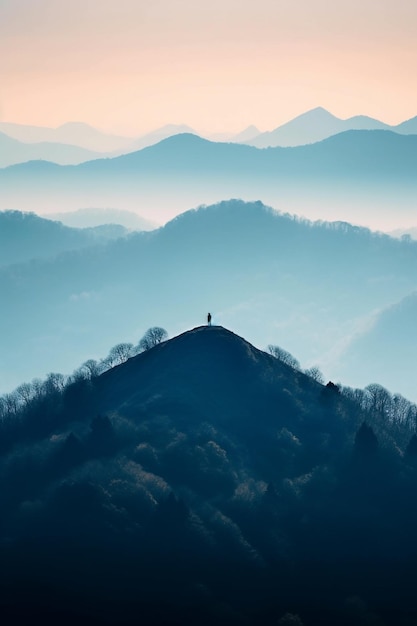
x=25, y=236
x=318, y=124
x=355, y=176
x=310, y=288
x=88, y=218
x=13, y=152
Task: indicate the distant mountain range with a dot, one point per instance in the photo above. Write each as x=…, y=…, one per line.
x=76, y=143
x=310, y=288
x=25, y=236
x=149, y=139
x=71, y=144
x=318, y=124
x=88, y=218
x=72, y=133
x=309, y=127
x=337, y=178
x=13, y=151
x=93, y=140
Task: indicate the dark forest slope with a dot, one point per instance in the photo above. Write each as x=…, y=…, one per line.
x=205, y=482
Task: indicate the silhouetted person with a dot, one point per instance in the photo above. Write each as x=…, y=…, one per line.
x=209, y=319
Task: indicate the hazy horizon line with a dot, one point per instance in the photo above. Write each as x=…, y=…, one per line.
x=115, y=129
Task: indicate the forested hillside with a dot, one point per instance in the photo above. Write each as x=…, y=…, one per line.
x=205, y=481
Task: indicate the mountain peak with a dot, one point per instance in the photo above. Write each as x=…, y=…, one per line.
x=308, y=127
x=247, y=134
x=316, y=110
x=318, y=113
x=200, y=370
x=187, y=136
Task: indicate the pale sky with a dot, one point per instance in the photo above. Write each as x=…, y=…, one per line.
x=130, y=66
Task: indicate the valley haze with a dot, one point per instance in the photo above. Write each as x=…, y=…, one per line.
x=365, y=177
x=275, y=278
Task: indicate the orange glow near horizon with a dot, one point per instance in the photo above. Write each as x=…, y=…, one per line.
x=129, y=67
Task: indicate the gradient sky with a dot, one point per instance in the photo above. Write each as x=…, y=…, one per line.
x=129, y=66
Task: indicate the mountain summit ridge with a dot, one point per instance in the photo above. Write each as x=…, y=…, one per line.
x=214, y=485
x=202, y=366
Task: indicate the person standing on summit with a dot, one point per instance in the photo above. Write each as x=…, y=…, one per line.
x=208, y=319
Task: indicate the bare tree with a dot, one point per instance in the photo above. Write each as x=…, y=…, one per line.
x=92, y=367
x=3, y=409
x=358, y=396
x=284, y=356
x=26, y=392
x=152, y=338
x=38, y=388
x=11, y=403
x=400, y=407
x=314, y=372
x=55, y=382
x=412, y=416
x=380, y=399
x=120, y=353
